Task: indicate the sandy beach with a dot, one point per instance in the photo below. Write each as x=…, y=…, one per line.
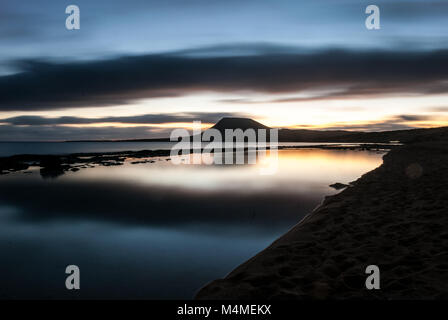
x=395, y=217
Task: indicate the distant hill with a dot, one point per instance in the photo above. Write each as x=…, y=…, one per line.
x=238, y=123
x=404, y=136
x=304, y=135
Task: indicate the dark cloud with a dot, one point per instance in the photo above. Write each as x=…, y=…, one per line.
x=37, y=128
x=45, y=85
x=397, y=122
x=413, y=117
x=139, y=119
x=414, y=10
x=372, y=127
x=62, y=133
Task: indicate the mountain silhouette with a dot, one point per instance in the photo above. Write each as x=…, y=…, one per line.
x=306, y=135
x=238, y=123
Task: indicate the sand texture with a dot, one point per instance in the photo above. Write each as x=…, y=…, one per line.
x=395, y=217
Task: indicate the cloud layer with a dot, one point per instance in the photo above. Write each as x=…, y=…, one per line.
x=38, y=128
x=140, y=119
x=47, y=86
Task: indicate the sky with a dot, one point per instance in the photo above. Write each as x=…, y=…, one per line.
x=140, y=68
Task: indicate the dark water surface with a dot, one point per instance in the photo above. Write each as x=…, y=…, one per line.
x=14, y=148
x=155, y=230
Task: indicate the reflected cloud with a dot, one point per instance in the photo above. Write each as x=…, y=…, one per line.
x=161, y=194
x=128, y=203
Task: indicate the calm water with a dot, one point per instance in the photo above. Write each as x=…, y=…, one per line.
x=13, y=148
x=155, y=230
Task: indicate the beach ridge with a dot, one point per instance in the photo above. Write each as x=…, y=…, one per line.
x=394, y=216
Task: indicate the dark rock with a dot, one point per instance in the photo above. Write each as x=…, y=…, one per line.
x=51, y=167
x=9, y=164
x=338, y=186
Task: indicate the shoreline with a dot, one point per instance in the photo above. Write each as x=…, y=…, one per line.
x=394, y=216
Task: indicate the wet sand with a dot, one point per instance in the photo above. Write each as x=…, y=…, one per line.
x=395, y=217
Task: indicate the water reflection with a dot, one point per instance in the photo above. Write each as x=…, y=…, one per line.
x=155, y=230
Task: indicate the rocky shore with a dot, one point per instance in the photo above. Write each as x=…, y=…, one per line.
x=395, y=217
